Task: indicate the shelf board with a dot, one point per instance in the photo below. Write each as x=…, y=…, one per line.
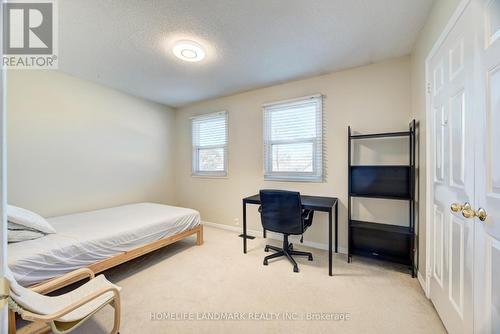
x=382, y=166
x=399, y=198
x=381, y=135
x=406, y=260
x=380, y=227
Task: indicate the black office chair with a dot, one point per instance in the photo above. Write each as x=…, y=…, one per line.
x=281, y=211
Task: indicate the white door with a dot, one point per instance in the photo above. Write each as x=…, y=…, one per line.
x=452, y=237
x=487, y=122
x=3, y=223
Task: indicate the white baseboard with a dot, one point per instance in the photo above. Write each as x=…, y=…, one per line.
x=226, y=227
x=422, y=282
x=272, y=235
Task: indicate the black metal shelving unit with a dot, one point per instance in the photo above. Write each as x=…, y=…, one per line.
x=393, y=182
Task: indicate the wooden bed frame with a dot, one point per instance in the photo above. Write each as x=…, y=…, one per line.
x=41, y=328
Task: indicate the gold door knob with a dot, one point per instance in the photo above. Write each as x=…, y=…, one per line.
x=468, y=213
x=481, y=214
x=457, y=207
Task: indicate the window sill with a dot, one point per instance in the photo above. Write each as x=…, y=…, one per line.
x=288, y=179
x=202, y=176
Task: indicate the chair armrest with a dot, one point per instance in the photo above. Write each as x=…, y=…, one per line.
x=64, y=280
x=307, y=218
x=29, y=316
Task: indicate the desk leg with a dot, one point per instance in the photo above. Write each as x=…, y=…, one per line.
x=336, y=227
x=330, y=260
x=244, y=227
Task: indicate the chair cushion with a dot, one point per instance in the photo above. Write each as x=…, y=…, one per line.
x=98, y=283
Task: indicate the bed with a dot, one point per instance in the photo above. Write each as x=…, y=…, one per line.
x=101, y=239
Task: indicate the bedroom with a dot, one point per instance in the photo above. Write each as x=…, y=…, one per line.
x=172, y=147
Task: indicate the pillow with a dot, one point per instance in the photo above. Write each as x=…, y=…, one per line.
x=15, y=227
x=28, y=219
x=23, y=235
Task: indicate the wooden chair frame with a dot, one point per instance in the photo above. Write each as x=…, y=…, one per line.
x=39, y=325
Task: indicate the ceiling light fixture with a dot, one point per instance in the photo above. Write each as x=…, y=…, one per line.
x=188, y=51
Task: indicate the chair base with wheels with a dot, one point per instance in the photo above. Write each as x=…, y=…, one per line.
x=286, y=251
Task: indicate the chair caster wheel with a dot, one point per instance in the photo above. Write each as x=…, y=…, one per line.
x=295, y=269
x=266, y=249
x=265, y=262
x=310, y=258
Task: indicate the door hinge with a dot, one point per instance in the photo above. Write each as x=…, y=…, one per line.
x=428, y=88
x=4, y=291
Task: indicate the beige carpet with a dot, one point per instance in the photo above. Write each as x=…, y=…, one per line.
x=217, y=280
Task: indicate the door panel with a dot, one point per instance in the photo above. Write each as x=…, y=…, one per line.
x=457, y=60
x=453, y=166
x=465, y=106
x=438, y=78
x=493, y=283
x=493, y=105
x=438, y=244
x=456, y=286
x=492, y=20
x=487, y=122
x=439, y=124
x=457, y=139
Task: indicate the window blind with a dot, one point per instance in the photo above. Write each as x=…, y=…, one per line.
x=209, y=138
x=293, y=140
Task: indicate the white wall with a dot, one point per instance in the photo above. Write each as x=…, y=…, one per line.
x=440, y=14
x=371, y=98
x=75, y=145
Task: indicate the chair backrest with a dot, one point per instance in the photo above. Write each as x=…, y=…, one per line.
x=281, y=211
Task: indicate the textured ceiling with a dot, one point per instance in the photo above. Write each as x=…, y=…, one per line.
x=126, y=44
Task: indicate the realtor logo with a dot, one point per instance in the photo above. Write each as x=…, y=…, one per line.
x=29, y=34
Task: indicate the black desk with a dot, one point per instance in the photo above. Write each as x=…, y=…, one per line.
x=316, y=203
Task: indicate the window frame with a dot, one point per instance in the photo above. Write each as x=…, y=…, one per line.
x=195, y=149
x=317, y=174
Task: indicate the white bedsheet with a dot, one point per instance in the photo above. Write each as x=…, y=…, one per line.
x=85, y=238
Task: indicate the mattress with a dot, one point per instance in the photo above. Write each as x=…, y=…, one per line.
x=88, y=237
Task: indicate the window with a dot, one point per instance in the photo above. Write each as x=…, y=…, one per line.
x=293, y=140
x=209, y=136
